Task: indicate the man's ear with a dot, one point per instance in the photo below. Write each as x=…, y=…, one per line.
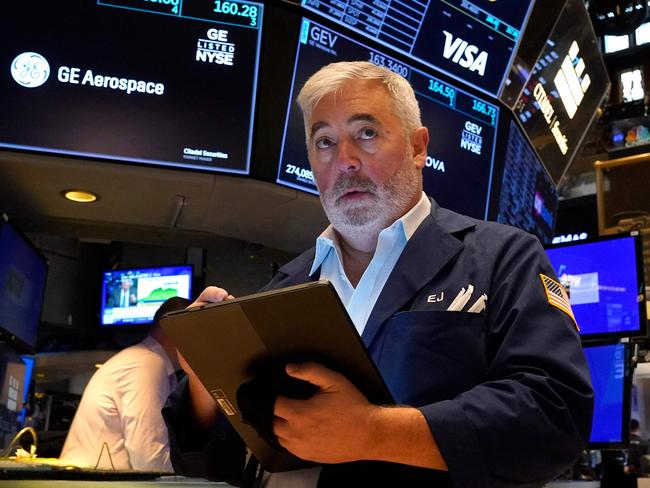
x=419, y=143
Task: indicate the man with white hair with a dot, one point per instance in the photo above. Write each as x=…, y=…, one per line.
x=464, y=319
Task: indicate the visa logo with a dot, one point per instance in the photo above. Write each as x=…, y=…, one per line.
x=464, y=54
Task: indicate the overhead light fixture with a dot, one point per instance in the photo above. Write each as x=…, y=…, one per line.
x=82, y=196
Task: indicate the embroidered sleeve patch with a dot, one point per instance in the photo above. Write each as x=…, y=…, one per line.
x=557, y=296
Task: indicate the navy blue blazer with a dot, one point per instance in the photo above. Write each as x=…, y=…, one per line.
x=506, y=392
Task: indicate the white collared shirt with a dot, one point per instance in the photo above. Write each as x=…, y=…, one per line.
x=358, y=301
x=120, y=411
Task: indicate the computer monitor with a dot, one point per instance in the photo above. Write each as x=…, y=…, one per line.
x=528, y=198
x=616, y=43
x=463, y=125
x=132, y=296
x=30, y=361
x=23, y=270
x=642, y=34
x=169, y=83
x=604, y=281
x=611, y=377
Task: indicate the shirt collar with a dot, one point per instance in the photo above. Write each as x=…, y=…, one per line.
x=406, y=225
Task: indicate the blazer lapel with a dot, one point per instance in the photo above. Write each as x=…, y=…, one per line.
x=430, y=248
x=296, y=271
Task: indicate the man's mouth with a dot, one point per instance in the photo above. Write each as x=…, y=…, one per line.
x=353, y=194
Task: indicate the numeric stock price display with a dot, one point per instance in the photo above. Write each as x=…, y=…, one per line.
x=462, y=127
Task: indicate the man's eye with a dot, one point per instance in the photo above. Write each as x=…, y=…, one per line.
x=368, y=133
x=324, y=143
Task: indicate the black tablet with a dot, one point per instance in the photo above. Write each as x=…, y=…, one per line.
x=238, y=348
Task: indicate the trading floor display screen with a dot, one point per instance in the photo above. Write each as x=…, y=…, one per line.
x=462, y=127
x=23, y=270
x=528, y=198
x=610, y=377
x=567, y=86
x=133, y=296
x=472, y=41
x=604, y=281
x=169, y=83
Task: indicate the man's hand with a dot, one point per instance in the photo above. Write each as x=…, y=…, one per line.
x=333, y=426
x=338, y=424
x=205, y=409
x=212, y=294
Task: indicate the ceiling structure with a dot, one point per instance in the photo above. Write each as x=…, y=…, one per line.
x=153, y=205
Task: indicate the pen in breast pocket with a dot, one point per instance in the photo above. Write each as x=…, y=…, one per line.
x=461, y=299
x=479, y=305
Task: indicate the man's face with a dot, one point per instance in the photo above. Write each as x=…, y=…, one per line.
x=126, y=284
x=368, y=170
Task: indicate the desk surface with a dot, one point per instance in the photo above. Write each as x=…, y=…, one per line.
x=163, y=482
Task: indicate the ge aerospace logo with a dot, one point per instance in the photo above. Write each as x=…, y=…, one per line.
x=30, y=69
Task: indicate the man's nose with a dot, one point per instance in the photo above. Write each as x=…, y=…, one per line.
x=347, y=158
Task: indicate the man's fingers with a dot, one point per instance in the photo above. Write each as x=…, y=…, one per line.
x=314, y=373
x=285, y=408
x=212, y=294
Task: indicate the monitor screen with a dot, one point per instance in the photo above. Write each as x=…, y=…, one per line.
x=528, y=197
x=632, y=85
x=23, y=270
x=604, y=281
x=29, y=361
x=609, y=365
x=168, y=83
x=473, y=41
x=568, y=84
x=642, y=34
x=462, y=127
x=616, y=43
x=132, y=296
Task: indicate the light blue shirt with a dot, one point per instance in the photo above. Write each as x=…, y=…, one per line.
x=360, y=301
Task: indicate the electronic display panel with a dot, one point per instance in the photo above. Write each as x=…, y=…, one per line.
x=642, y=34
x=167, y=83
x=472, y=41
x=462, y=127
x=528, y=198
x=616, y=43
x=23, y=270
x=132, y=296
x=568, y=84
x=604, y=281
x=609, y=367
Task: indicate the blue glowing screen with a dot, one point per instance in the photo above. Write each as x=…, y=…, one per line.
x=603, y=284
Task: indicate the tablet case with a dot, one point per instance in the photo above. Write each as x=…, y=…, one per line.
x=238, y=349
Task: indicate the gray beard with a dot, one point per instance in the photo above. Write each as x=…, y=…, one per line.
x=390, y=201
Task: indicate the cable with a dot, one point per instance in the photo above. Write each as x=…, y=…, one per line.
x=108, y=451
x=14, y=441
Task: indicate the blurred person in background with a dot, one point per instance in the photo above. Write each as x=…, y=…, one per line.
x=118, y=424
